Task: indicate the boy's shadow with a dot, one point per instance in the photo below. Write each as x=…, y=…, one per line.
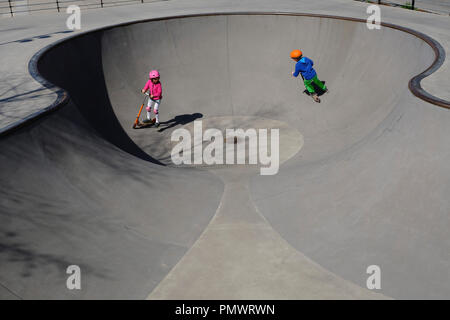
x=181, y=119
x=316, y=89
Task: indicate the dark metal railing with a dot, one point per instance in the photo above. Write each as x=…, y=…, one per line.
x=409, y=5
x=15, y=7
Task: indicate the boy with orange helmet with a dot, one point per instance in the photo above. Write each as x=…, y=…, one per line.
x=304, y=66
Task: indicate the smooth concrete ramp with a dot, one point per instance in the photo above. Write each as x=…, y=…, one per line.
x=364, y=179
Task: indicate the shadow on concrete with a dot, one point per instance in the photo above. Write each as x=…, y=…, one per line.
x=42, y=36
x=179, y=120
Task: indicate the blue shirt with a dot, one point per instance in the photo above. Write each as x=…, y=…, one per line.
x=304, y=66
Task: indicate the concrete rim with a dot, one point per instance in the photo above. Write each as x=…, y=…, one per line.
x=63, y=96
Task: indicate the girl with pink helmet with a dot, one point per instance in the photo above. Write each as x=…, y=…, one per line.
x=153, y=86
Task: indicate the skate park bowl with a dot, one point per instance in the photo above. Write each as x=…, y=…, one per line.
x=95, y=192
x=235, y=66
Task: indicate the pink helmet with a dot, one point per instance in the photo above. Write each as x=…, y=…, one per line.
x=154, y=74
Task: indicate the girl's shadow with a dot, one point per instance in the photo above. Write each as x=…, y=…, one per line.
x=179, y=120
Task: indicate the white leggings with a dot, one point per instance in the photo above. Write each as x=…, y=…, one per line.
x=156, y=104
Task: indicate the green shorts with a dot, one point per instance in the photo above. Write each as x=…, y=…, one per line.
x=309, y=84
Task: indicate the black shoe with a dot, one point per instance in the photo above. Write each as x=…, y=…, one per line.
x=147, y=121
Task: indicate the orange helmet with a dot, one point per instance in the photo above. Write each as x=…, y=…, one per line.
x=296, y=53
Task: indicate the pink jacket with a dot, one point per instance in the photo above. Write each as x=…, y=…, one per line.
x=154, y=89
